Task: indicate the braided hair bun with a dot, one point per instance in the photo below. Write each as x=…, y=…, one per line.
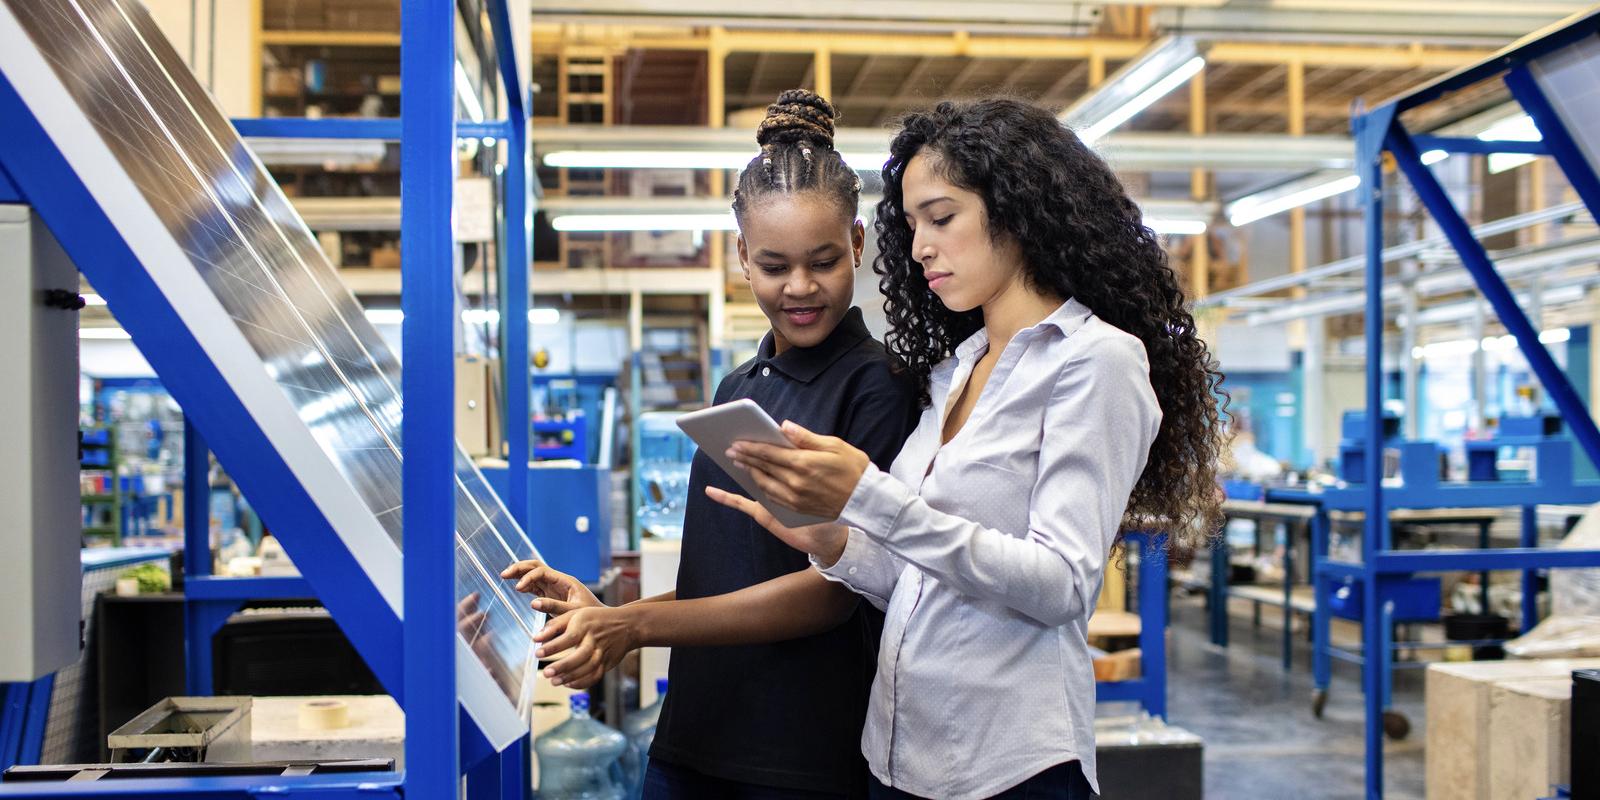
x=799, y=116
x=797, y=155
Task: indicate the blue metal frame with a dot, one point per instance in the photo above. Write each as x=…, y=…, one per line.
x=8, y=190
x=427, y=295
x=24, y=709
x=427, y=130
x=1376, y=132
x=1150, y=688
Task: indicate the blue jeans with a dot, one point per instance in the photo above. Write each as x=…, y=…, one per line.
x=663, y=781
x=1060, y=782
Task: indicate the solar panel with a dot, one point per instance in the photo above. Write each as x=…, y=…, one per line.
x=285, y=316
x=1570, y=78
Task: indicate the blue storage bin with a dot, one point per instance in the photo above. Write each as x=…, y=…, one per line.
x=1242, y=490
x=1415, y=600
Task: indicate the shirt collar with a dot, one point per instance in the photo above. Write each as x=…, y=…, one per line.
x=1068, y=317
x=804, y=364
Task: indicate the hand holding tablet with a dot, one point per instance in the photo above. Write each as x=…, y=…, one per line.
x=715, y=429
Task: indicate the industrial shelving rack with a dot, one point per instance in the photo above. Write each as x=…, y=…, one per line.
x=1541, y=71
x=442, y=742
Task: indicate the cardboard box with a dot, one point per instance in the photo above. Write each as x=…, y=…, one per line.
x=1122, y=665
x=385, y=257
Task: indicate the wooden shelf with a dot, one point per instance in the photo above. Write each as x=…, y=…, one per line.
x=331, y=38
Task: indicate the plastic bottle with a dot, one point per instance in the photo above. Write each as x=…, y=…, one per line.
x=640, y=728
x=580, y=758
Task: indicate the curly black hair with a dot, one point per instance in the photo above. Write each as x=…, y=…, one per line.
x=1082, y=237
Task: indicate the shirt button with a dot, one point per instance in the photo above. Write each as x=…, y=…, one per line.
x=852, y=570
x=766, y=371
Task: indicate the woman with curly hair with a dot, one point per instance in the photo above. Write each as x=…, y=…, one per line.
x=1067, y=399
x=771, y=662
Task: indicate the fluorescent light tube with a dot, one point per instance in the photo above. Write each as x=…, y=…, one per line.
x=644, y=222
x=1142, y=101
x=103, y=333
x=468, y=95
x=1264, y=204
x=683, y=159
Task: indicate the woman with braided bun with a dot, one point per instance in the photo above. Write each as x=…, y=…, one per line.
x=771, y=662
x=1069, y=399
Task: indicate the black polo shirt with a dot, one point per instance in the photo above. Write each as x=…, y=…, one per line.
x=788, y=714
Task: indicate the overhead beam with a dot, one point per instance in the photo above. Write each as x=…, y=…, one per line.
x=548, y=38
x=1125, y=149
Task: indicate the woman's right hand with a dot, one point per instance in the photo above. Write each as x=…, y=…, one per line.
x=557, y=591
x=825, y=541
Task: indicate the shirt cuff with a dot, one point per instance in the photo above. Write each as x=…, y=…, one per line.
x=876, y=503
x=858, y=552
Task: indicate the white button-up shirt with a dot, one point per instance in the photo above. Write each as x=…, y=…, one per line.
x=988, y=559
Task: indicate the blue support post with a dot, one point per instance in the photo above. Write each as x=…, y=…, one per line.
x=1217, y=593
x=518, y=227
x=1530, y=576
x=427, y=296
x=1374, y=656
x=516, y=769
x=1153, y=624
x=483, y=779
x=1288, y=597
x=12, y=715
x=198, y=627
x=9, y=193
x=1321, y=667
x=518, y=224
x=34, y=724
x=1370, y=132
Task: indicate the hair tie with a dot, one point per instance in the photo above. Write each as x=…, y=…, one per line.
x=805, y=152
x=766, y=161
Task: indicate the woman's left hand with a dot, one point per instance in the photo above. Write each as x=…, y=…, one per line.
x=816, y=476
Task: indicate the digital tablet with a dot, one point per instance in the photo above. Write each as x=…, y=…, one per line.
x=716, y=428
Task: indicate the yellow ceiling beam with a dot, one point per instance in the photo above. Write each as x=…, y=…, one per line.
x=1413, y=56
x=551, y=38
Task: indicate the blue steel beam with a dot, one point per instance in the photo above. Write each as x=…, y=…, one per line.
x=9, y=193
x=1370, y=131
x=1562, y=146
x=205, y=587
x=1504, y=558
x=386, y=129
x=518, y=221
x=506, y=55
x=1476, y=260
x=364, y=785
x=1452, y=144
x=427, y=295
x=1532, y=46
x=518, y=227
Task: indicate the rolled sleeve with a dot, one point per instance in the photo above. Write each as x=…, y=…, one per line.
x=876, y=503
x=1098, y=426
x=865, y=568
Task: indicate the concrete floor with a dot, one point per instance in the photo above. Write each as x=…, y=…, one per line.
x=1261, y=740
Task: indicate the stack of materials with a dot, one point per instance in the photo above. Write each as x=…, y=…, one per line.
x=1499, y=728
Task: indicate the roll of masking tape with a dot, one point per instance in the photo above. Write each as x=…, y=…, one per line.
x=324, y=715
